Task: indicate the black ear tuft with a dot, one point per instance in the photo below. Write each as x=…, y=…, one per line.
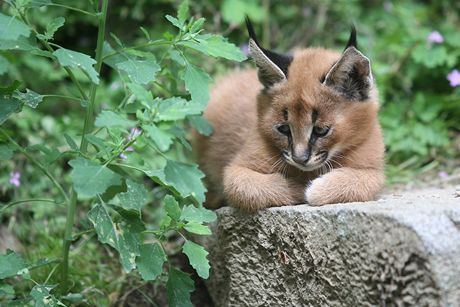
x=252, y=33
x=352, y=41
x=282, y=61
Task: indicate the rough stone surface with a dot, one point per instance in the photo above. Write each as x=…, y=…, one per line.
x=402, y=250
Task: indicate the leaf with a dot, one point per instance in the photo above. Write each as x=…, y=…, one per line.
x=30, y=98
x=172, y=207
x=179, y=287
x=52, y=27
x=216, y=46
x=39, y=3
x=176, y=108
x=6, y=152
x=181, y=178
x=21, y=43
x=197, y=84
x=71, y=142
x=200, y=215
x=11, y=28
x=197, y=25
x=197, y=257
x=70, y=58
x=150, y=261
x=90, y=178
x=139, y=71
x=162, y=139
x=112, y=119
x=8, y=106
x=143, y=95
x=135, y=197
x=201, y=125
x=41, y=295
x=175, y=22
x=124, y=238
x=6, y=292
x=12, y=264
x=197, y=228
x=182, y=11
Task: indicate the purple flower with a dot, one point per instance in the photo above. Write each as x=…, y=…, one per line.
x=122, y=156
x=133, y=133
x=454, y=78
x=443, y=174
x=15, y=179
x=435, y=37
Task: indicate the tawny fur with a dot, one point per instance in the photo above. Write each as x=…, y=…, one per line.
x=242, y=159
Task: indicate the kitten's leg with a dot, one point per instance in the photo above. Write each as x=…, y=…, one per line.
x=345, y=185
x=251, y=190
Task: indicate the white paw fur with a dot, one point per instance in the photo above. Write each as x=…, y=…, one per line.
x=312, y=195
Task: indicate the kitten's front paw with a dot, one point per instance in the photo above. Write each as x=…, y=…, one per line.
x=315, y=194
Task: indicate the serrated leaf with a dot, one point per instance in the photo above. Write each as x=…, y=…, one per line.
x=8, y=106
x=135, y=197
x=197, y=228
x=6, y=152
x=42, y=296
x=71, y=142
x=182, y=11
x=162, y=139
x=30, y=98
x=139, y=71
x=201, y=125
x=150, y=261
x=179, y=287
x=197, y=257
x=191, y=213
x=112, y=119
x=98, y=143
x=182, y=179
x=172, y=207
x=216, y=46
x=90, y=178
x=70, y=58
x=12, y=264
x=197, y=84
x=197, y=25
x=52, y=27
x=176, y=108
x=174, y=21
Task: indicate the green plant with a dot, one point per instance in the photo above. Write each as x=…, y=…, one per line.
x=137, y=139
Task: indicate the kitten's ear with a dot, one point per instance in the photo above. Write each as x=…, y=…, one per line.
x=272, y=67
x=351, y=75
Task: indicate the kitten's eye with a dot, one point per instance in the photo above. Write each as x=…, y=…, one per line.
x=284, y=129
x=320, y=131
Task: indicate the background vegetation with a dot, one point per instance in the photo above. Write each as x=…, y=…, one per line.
x=414, y=47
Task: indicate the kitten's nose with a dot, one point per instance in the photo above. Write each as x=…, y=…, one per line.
x=301, y=159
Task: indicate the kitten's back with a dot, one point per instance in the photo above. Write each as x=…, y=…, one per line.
x=232, y=113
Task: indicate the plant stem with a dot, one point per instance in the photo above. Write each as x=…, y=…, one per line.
x=92, y=96
x=37, y=164
x=71, y=210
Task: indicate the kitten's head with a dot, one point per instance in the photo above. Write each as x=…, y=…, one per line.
x=316, y=104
